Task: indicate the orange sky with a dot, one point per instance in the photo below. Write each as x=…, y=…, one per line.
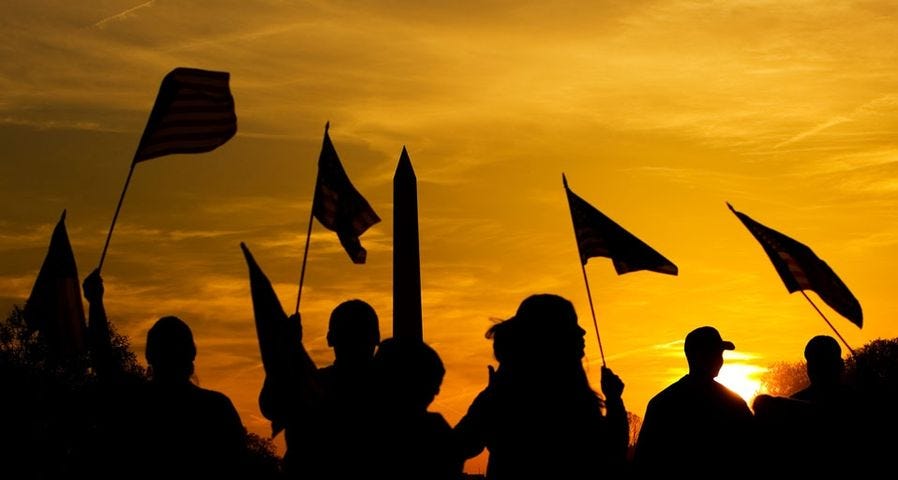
x=657, y=111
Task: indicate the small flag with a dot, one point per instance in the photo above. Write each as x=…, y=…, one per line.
x=54, y=307
x=801, y=269
x=289, y=371
x=599, y=236
x=194, y=113
x=338, y=205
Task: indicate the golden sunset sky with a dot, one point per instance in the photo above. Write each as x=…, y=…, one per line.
x=657, y=111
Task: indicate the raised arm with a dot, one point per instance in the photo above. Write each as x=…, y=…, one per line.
x=616, y=415
x=100, y=343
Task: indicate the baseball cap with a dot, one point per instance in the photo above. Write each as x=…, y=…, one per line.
x=706, y=339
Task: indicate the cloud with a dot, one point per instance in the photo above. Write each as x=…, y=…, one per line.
x=819, y=128
x=54, y=124
x=124, y=15
x=33, y=235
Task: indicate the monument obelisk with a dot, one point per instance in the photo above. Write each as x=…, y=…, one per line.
x=407, y=317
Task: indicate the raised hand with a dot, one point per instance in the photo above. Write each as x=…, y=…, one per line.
x=612, y=385
x=294, y=323
x=93, y=287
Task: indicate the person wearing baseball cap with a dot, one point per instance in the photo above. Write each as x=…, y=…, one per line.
x=696, y=423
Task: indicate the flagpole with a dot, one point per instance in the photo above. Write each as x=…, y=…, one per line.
x=305, y=254
x=115, y=216
x=827, y=322
x=593, y=311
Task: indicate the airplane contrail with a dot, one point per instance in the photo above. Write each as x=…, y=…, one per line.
x=819, y=128
x=123, y=15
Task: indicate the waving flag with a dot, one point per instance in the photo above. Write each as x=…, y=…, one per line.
x=194, y=113
x=338, y=205
x=599, y=236
x=54, y=307
x=801, y=269
x=289, y=371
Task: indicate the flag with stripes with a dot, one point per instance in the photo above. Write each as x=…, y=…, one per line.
x=54, y=307
x=194, y=113
x=338, y=205
x=599, y=236
x=801, y=269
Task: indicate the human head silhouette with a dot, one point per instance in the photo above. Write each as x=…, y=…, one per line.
x=409, y=372
x=824, y=358
x=704, y=351
x=543, y=332
x=170, y=350
x=353, y=332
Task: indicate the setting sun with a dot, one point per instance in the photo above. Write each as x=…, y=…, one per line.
x=742, y=378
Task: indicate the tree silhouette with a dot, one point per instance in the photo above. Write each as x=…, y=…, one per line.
x=873, y=370
x=262, y=461
x=785, y=378
x=635, y=423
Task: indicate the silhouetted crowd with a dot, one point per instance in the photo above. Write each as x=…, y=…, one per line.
x=366, y=415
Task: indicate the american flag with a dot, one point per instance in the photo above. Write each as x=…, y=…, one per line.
x=194, y=113
x=338, y=205
x=599, y=236
x=54, y=306
x=801, y=269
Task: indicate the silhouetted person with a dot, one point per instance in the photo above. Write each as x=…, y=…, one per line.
x=169, y=427
x=188, y=431
x=329, y=436
x=836, y=422
x=538, y=416
x=825, y=368
x=412, y=443
x=354, y=333
x=696, y=427
x=784, y=434
x=117, y=396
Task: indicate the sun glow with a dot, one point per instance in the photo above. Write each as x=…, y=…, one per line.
x=742, y=378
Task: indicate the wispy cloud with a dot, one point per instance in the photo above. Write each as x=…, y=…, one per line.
x=124, y=15
x=55, y=124
x=819, y=128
